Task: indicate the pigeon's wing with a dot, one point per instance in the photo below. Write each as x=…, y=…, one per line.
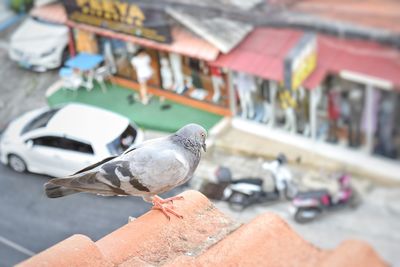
x=146, y=170
x=93, y=166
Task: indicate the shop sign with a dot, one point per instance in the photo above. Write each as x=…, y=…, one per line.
x=123, y=16
x=300, y=61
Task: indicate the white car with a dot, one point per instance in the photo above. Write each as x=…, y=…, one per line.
x=61, y=141
x=39, y=45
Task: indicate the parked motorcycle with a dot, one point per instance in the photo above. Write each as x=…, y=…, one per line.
x=247, y=191
x=244, y=192
x=310, y=205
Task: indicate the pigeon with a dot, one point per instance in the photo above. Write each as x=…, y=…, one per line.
x=146, y=170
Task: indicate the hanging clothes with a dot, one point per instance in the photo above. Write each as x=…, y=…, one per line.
x=356, y=110
x=374, y=105
x=195, y=69
x=335, y=106
x=386, y=119
x=217, y=82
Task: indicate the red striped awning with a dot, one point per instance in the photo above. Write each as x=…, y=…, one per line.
x=359, y=56
x=261, y=53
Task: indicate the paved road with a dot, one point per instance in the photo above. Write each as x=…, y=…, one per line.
x=20, y=90
x=30, y=220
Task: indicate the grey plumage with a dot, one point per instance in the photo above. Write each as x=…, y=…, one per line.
x=153, y=167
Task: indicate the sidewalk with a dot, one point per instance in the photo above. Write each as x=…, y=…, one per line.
x=164, y=116
x=7, y=17
x=246, y=138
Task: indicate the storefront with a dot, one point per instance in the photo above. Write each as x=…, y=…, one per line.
x=268, y=71
x=359, y=97
x=339, y=92
x=178, y=64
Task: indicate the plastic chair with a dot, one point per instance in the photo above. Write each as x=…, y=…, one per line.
x=101, y=74
x=71, y=80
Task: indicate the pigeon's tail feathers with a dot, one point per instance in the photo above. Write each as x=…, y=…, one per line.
x=81, y=182
x=55, y=191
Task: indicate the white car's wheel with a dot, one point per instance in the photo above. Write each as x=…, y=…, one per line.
x=16, y=163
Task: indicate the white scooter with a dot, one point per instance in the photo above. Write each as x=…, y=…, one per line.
x=247, y=191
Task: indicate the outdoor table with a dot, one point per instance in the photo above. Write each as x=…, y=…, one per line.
x=85, y=63
x=65, y=72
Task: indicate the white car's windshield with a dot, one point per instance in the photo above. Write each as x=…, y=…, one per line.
x=123, y=142
x=39, y=121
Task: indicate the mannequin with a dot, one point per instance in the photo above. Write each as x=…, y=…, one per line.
x=288, y=105
x=245, y=85
x=265, y=93
x=303, y=112
x=176, y=66
x=109, y=57
x=166, y=74
x=142, y=64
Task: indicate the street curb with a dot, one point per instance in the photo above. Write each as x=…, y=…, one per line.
x=53, y=88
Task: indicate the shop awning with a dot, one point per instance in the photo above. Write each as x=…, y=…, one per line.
x=358, y=56
x=261, y=53
x=184, y=42
x=52, y=12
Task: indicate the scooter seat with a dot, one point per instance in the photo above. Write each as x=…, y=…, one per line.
x=313, y=194
x=254, y=181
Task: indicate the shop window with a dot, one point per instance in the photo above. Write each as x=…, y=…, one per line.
x=203, y=82
x=342, y=113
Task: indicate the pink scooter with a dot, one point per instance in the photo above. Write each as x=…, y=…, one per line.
x=310, y=205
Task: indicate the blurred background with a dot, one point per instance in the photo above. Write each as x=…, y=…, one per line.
x=301, y=100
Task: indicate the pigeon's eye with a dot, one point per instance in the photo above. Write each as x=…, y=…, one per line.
x=202, y=134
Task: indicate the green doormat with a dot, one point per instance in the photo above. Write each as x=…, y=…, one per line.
x=164, y=116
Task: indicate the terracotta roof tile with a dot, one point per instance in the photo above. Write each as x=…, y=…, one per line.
x=77, y=250
x=204, y=237
x=343, y=255
x=161, y=240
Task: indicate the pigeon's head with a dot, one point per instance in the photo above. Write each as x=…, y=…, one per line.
x=195, y=133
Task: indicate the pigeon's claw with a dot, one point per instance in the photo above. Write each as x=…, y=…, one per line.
x=170, y=199
x=158, y=204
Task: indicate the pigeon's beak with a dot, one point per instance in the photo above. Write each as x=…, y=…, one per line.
x=204, y=146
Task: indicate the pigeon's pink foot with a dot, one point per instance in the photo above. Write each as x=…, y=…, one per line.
x=170, y=199
x=158, y=204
